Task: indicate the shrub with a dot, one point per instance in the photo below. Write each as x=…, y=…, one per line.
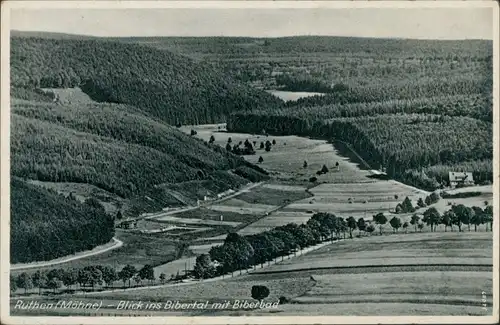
x=283, y=300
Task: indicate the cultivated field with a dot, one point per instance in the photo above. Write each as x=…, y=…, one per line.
x=275, y=219
x=207, y=213
x=367, y=198
x=349, y=191
x=468, y=248
x=385, y=273
x=274, y=194
x=237, y=205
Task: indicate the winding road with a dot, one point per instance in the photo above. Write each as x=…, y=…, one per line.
x=97, y=250
x=117, y=243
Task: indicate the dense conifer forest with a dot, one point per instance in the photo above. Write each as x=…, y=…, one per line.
x=46, y=225
x=162, y=84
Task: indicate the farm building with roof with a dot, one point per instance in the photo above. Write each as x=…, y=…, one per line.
x=461, y=178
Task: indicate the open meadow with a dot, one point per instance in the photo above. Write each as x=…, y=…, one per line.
x=287, y=156
x=389, y=250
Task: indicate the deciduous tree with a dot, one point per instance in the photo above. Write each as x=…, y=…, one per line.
x=352, y=224
x=380, y=219
x=260, y=292
x=395, y=223
x=432, y=217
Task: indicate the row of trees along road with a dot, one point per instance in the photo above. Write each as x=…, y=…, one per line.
x=242, y=252
x=86, y=278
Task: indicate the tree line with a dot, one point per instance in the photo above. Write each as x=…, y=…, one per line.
x=86, y=278
x=242, y=252
x=474, y=105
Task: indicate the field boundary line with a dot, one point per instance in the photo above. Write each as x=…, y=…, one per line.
x=370, y=266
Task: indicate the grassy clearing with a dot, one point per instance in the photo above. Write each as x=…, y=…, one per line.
x=274, y=197
x=203, y=248
x=277, y=218
x=83, y=191
x=293, y=95
x=445, y=204
x=70, y=95
x=189, y=221
x=175, y=267
x=239, y=206
x=283, y=187
x=286, y=158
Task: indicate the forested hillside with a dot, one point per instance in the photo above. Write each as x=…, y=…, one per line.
x=162, y=84
x=45, y=225
x=358, y=46
x=325, y=63
x=110, y=146
x=474, y=105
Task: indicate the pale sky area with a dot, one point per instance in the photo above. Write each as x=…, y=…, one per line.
x=423, y=23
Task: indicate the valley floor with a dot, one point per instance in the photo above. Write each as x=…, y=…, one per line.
x=378, y=271
x=413, y=273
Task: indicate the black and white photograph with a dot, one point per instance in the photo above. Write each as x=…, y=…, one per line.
x=249, y=162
